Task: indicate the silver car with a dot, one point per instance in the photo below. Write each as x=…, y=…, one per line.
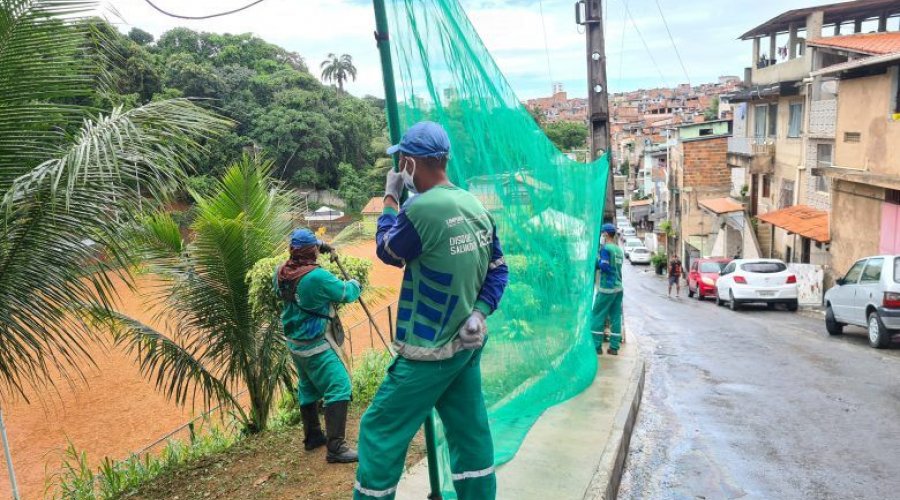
x=867, y=296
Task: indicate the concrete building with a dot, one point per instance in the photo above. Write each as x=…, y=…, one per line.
x=788, y=129
x=698, y=172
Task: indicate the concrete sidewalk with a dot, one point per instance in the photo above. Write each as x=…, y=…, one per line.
x=577, y=449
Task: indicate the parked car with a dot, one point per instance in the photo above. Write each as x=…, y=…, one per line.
x=764, y=281
x=630, y=244
x=639, y=255
x=628, y=232
x=868, y=296
x=620, y=201
x=703, y=275
x=622, y=225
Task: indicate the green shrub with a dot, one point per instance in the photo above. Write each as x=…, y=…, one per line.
x=264, y=300
x=368, y=375
x=113, y=478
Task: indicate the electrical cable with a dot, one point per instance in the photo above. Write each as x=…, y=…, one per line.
x=209, y=16
x=672, y=39
x=546, y=46
x=646, y=47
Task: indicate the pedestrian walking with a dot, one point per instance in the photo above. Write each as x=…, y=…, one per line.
x=454, y=276
x=308, y=293
x=675, y=273
x=608, y=299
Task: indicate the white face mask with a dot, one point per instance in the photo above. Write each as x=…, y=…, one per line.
x=408, y=177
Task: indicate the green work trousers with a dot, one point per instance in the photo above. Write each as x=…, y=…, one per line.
x=406, y=397
x=607, y=306
x=322, y=376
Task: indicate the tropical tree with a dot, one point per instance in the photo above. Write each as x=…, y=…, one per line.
x=216, y=346
x=70, y=181
x=338, y=69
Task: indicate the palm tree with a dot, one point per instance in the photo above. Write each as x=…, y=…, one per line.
x=68, y=179
x=218, y=346
x=338, y=69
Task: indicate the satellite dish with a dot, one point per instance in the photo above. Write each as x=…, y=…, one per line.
x=830, y=87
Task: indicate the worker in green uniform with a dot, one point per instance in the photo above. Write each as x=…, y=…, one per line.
x=608, y=300
x=307, y=292
x=454, y=276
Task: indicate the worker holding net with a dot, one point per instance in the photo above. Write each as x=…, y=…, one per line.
x=454, y=276
x=608, y=301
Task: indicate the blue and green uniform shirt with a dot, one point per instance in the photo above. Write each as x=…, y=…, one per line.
x=448, y=244
x=315, y=292
x=610, y=265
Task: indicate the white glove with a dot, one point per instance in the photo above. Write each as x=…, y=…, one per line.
x=473, y=331
x=393, y=185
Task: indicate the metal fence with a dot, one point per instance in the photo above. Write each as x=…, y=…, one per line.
x=362, y=336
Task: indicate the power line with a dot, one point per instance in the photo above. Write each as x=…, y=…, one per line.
x=646, y=47
x=209, y=16
x=546, y=46
x=674, y=46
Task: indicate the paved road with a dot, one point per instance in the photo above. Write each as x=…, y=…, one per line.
x=758, y=404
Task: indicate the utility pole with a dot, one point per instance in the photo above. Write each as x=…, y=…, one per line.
x=589, y=13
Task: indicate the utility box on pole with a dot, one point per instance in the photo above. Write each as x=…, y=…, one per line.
x=589, y=13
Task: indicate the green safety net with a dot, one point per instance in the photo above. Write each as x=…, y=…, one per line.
x=547, y=208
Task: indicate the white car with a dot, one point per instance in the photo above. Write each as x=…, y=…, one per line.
x=628, y=232
x=764, y=281
x=867, y=296
x=630, y=244
x=639, y=255
x=620, y=201
x=622, y=225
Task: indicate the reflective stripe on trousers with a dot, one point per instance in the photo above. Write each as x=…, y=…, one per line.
x=374, y=493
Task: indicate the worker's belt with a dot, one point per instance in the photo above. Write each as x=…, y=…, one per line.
x=420, y=353
x=298, y=347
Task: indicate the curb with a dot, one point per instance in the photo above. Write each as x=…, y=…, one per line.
x=605, y=483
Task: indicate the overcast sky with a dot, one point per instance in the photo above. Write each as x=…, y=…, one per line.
x=705, y=32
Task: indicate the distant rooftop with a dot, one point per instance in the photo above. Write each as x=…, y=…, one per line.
x=834, y=13
x=865, y=43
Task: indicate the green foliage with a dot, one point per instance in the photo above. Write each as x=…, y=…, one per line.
x=368, y=374
x=281, y=109
x=667, y=228
x=626, y=168
x=114, y=478
x=712, y=112
x=217, y=344
x=70, y=161
x=338, y=69
x=353, y=188
x=567, y=135
x=265, y=302
x=658, y=259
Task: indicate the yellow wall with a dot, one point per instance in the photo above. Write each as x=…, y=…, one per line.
x=864, y=106
x=855, y=223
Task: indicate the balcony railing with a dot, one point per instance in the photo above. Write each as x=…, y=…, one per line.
x=751, y=146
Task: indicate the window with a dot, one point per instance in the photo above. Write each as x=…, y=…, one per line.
x=897, y=270
x=711, y=267
x=729, y=268
x=787, y=194
x=892, y=196
x=853, y=274
x=795, y=120
x=896, y=92
x=823, y=159
x=773, y=120
x=706, y=131
x=759, y=121
x=872, y=274
x=852, y=137
x=766, y=186
x=764, y=267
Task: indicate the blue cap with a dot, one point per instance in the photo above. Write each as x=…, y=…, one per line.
x=424, y=140
x=609, y=228
x=304, y=238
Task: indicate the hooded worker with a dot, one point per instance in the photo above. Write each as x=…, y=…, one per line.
x=454, y=276
x=608, y=300
x=308, y=293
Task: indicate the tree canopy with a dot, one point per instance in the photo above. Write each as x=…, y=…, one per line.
x=281, y=109
x=567, y=135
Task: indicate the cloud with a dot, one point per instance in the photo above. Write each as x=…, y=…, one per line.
x=705, y=32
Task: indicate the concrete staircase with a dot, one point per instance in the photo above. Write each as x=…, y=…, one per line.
x=764, y=237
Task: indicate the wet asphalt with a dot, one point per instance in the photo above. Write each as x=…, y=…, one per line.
x=757, y=404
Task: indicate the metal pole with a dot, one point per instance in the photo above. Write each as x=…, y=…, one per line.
x=9, y=462
x=382, y=38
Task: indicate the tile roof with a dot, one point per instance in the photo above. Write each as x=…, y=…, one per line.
x=721, y=205
x=866, y=43
x=374, y=206
x=639, y=203
x=801, y=219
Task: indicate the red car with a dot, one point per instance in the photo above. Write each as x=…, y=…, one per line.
x=703, y=276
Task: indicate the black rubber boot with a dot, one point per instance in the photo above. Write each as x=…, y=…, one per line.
x=335, y=425
x=313, y=437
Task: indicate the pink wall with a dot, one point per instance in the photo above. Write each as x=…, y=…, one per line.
x=890, y=229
